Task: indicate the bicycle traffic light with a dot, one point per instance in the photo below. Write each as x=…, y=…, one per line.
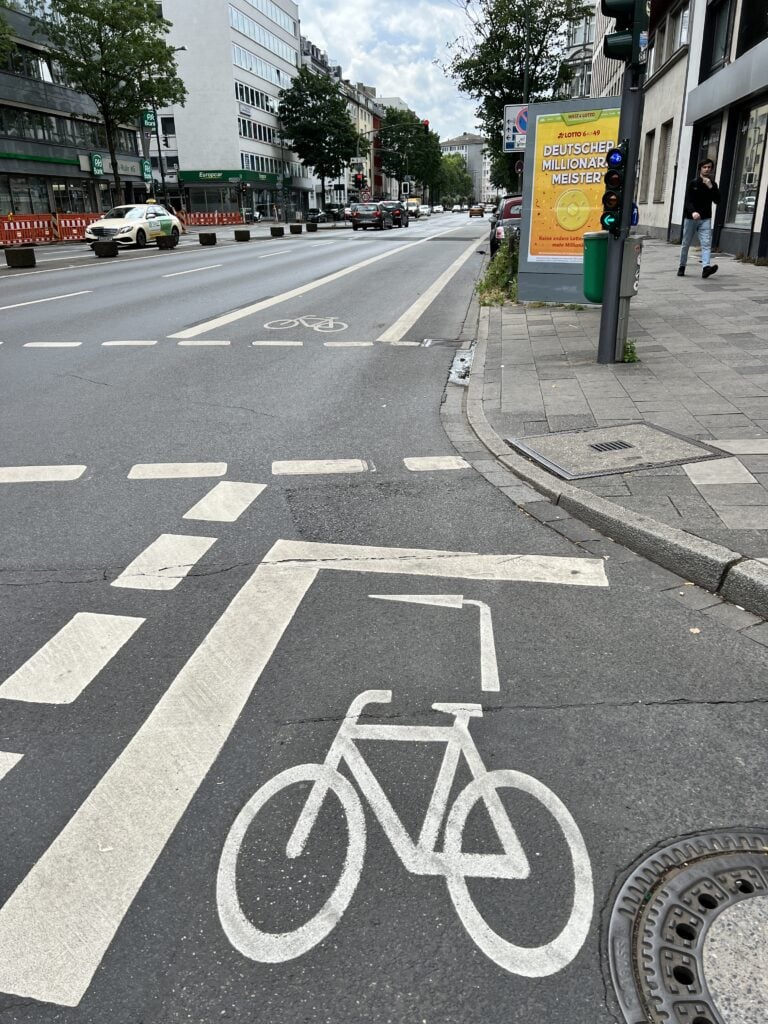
x=614, y=197
x=629, y=41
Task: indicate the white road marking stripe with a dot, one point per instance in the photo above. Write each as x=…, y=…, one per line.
x=316, y=245
x=52, y=940
x=52, y=344
x=52, y=298
x=238, y=314
x=39, y=474
x=401, y=327
x=348, y=344
x=7, y=761
x=165, y=563
x=202, y=342
x=70, y=660
x=427, y=463
x=175, y=470
x=278, y=252
x=278, y=344
x=196, y=270
x=111, y=344
x=307, y=466
x=226, y=502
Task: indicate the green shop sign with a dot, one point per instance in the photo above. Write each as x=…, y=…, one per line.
x=146, y=169
x=148, y=119
x=229, y=178
x=97, y=163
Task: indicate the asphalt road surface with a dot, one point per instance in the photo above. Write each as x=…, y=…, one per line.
x=300, y=718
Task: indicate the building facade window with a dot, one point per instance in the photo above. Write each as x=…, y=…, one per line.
x=17, y=123
x=28, y=63
x=753, y=27
x=254, y=98
x=717, y=37
x=241, y=23
x=750, y=152
x=645, y=170
x=249, y=61
x=662, y=162
x=274, y=13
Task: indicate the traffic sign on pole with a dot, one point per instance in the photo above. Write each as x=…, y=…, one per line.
x=515, y=127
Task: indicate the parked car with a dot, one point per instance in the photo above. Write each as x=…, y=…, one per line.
x=424, y=210
x=476, y=211
x=506, y=220
x=456, y=208
x=134, y=225
x=438, y=208
x=334, y=211
x=371, y=215
x=316, y=216
x=399, y=212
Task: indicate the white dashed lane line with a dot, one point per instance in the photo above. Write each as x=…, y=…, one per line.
x=52, y=344
x=429, y=463
x=39, y=474
x=175, y=470
x=302, y=467
x=129, y=344
x=226, y=502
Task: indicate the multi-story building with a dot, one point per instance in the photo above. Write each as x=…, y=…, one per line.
x=53, y=148
x=225, y=147
x=607, y=75
x=580, y=37
x=472, y=148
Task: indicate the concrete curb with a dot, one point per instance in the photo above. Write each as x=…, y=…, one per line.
x=729, y=574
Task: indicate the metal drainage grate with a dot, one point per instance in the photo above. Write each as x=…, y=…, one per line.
x=611, y=446
x=661, y=918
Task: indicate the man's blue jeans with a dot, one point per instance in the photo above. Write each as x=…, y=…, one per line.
x=703, y=228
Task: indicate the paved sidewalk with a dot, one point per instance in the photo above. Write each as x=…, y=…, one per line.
x=703, y=374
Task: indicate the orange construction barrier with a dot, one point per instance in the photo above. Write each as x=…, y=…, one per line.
x=212, y=218
x=23, y=228
x=71, y=226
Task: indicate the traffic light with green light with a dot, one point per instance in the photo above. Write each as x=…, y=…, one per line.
x=614, y=196
x=629, y=41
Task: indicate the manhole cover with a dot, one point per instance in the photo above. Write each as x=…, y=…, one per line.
x=602, y=451
x=661, y=918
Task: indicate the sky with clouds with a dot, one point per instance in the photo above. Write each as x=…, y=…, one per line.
x=393, y=48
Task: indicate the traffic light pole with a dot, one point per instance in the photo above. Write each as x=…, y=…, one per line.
x=630, y=123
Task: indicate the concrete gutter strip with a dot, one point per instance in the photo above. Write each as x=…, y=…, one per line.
x=718, y=569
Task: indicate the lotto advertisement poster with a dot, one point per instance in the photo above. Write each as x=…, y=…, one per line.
x=568, y=168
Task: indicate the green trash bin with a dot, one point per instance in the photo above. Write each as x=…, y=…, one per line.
x=595, y=254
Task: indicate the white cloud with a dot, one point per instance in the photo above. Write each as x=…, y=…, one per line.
x=395, y=52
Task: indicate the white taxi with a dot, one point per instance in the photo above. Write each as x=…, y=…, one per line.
x=134, y=225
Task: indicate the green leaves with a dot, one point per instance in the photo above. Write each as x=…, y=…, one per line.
x=313, y=114
x=406, y=148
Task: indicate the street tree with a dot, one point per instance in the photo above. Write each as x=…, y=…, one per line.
x=513, y=52
x=114, y=52
x=455, y=181
x=313, y=116
x=408, y=147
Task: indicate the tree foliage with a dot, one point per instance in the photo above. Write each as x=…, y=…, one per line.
x=408, y=147
x=489, y=64
x=6, y=43
x=313, y=114
x=455, y=182
x=114, y=52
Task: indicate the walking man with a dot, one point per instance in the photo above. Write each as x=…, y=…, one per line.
x=702, y=191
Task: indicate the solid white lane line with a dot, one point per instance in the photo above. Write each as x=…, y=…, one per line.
x=401, y=326
x=277, y=252
x=175, y=470
x=52, y=298
x=226, y=502
x=39, y=474
x=7, y=761
x=63, y=667
x=196, y=270
x=278, y=344
x=58, y=924
x=165, y=563
x=115, y=344
x=52, y=344
x=294, y=293
x=202, y=342
x=308, y=466
x=347, y=344
x=436, y=462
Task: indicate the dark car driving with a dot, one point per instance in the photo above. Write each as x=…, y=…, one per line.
x=316, y=216
x=371, y=215
x=398, y=211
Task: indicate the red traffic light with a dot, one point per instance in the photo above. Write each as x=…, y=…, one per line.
x=426, y=126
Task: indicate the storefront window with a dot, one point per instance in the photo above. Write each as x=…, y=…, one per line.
x=750, y=151
x=709, y=141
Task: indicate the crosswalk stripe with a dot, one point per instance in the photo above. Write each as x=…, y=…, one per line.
x=226, y=502
x=39, y=474
x=165, y=563
x=63, y=667
x=7, y=761
x=175, y=470
x=308, y=466
x=58, y=924
x=419, y=464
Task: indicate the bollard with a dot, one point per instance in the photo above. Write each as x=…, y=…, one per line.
x=311, y=226
x=242, y=235
x=106, y=247
x=207, y=238
x=23, y=256
x=167, y=241
x=295, y=229
x=277, y=231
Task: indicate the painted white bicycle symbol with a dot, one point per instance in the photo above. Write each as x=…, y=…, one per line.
x=323, y=324
x=420, y=857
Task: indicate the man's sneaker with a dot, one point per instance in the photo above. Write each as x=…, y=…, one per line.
x=709, y=271
x=681, y=271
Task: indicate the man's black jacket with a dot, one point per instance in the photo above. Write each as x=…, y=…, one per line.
x=699, y=198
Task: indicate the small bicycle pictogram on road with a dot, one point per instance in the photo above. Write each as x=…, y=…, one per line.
x=323, y=324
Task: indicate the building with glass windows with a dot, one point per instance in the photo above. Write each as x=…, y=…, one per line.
x=53, y=149
x=223, y=151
